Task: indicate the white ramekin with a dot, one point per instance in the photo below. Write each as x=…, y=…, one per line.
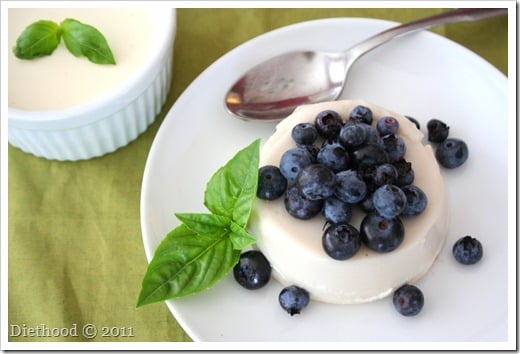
x=105, y=124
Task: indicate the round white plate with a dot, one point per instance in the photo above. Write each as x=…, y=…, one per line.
x=422, y=75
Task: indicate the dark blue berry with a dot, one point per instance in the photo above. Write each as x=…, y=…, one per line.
x=408, y=300
x=389, y=201
x=368, y=155
x=349, y=187
x=467, y=250
x=293, y=161
x=380, y=234
x=394, y=146
x=293, y=299
x=416, y=200
x=304, y=133
x=352, y=135
x=361, y=114
x=271, y=183
x=341, y=241
x=333, y=156
x=387, y=125
x=405, y=173
x=328, y=123
x=452, y=153
x=253, y=270
x=299, y=206
x=438, y=131
x=316, y=182
x=385, y=173
x=337, y=211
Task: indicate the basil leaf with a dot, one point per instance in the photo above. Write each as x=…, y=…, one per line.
x=186, y=263
x=240, y=237
x=204, y=223
x=232, y=189
x=84, y=40
x=39, y=39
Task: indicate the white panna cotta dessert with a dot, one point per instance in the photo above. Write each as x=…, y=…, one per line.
x=294, y=246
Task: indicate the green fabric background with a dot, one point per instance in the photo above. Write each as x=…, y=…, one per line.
x=75, y=253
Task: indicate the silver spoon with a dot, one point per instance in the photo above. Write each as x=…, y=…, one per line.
x=273, y=89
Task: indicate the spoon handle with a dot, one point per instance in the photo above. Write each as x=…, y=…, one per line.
x=458, y=15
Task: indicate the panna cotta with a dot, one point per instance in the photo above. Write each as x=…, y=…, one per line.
x=294, y=246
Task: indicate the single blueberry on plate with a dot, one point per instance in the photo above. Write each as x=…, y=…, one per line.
x=350, y=188
x=271, y=183
x=467, y=250
x=368, y=155
x=405, y=172
x=316, y=182
x=300, y=207
x=408, y=300
x=304, y=133
x=353, y=134
x=387, y=125
x=452, y=153
x=389, y=201
x=380, y=234
x=438, y=131
x=293, y=299
x=293, y=161
x=334, y=156
x=328, y=123
x=416, y=200
x=337, y=211
x=394, y=146
x=341, y=241
x=253, y=270
x=361, y=114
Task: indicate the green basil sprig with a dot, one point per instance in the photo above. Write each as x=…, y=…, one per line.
x=205, y=247
x=42, y=37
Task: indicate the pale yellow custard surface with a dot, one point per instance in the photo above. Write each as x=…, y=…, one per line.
x=294, y=247
x=62, y=80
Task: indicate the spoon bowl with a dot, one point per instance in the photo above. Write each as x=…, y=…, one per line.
x=272, y=90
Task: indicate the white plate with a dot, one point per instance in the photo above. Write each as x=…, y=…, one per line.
x=423, y=75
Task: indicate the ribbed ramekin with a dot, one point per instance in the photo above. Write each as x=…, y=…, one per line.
x=103, y=125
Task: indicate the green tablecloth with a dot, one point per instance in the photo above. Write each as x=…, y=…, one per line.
x=75, y=254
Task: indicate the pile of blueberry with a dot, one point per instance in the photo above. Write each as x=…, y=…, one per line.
x=337, y=165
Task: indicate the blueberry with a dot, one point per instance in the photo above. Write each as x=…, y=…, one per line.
x=316, y=182
x=293, y=299
x=368, y=155
x=387, y=125
x=380, y=234
x=367, y=205
x=337, y=211
x=416, y=200
x=253, y=270
x=394, y=146
x=271, y=183
x=405, y=173
x=293, y=161
x=341, y=241
x=328, y=123
x=408, y=300
x=299, y=206
x=467, y=250
x=361, y=114
x=334, y=157
x=349, y=187
x=438, y=131
x=352, y=135
x=452, y=153
x=389, y=201
x=385, y=173
x=304, y=133
x=414, y=121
